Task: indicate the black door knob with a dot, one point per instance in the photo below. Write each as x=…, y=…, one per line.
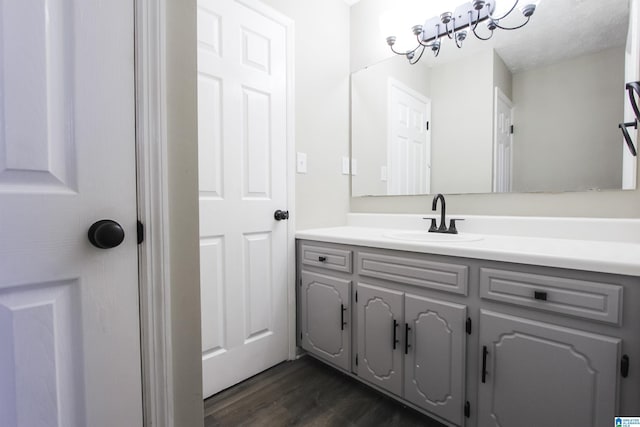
x=106, y=234
x=280, y=215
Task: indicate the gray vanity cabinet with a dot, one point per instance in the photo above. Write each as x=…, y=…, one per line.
x=380, y=350
x=434, y=368
x=325, y=313
x=414, y=347
x=475, y=343
x=540, y=374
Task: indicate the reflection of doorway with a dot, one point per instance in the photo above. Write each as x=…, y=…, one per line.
x=503, y=143
x=408, y=140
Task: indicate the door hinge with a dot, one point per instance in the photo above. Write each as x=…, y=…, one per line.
x=356, y=359
x=300, y=335
x=427, y=125
x=468, y=326
x=467, y=409
x=511, y=129
x=140, y=232
x=356, y=296
x=300, y=282
x=624, y=366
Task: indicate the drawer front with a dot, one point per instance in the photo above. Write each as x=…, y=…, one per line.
x=329, y=258
x=579, y=298
x=426, y=274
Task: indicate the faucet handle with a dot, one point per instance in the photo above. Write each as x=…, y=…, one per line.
x=452, y=225
x=434, y=226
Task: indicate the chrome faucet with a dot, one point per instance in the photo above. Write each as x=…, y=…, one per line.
x=442, y=228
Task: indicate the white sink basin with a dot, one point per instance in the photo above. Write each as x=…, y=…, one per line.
x=425, y=236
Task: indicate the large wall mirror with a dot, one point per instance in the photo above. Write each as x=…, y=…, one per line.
x=532, y=110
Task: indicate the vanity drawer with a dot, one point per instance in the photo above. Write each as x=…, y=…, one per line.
x=329, y=258
x=579, y=298
x=418, y=272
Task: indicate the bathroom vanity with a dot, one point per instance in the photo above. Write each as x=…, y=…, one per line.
x=486, y=330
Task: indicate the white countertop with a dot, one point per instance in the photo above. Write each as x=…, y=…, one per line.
x=618, y=257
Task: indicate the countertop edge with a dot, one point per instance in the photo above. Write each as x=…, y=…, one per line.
x=597, y=261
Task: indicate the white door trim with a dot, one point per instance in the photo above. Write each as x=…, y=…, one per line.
x=151, y=148
x=153, y=211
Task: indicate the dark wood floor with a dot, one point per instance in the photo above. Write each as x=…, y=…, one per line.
x=307, y=393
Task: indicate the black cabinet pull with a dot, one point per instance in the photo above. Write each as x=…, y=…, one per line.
x=322, y=258
x=407, y=328
x=342, y=322
x=395, y=338
x=624, y=366
x=484, y=363
x=540, y=295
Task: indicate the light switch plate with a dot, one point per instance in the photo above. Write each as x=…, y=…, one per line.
x=301, y=162
x=345, y=166
x=383, y=173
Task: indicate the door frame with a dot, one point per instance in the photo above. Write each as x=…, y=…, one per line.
x=153, y=209
x=153, y=212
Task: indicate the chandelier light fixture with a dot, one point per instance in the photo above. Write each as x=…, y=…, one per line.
x=457, y=25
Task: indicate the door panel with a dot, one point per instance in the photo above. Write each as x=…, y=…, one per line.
x=325, y=329
x=69, y=321
x=435, y=363
x=379, y=313
x=503, y=144
x=408, y=141
x=540, y=374
x=242, y=138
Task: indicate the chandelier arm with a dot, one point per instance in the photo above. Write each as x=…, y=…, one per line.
x=503, y=16
x=427, y=44
x=446, y=27
x=419, y=56
x=403, y=53
x=482, y=38
x=475, y=24
x=473, y=28
x=514, y=28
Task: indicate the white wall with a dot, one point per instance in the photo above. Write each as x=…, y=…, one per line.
x=502, y=77
x=367, y=47
x=461, y=140
x=369, y=117
x=321, y=108
x=182, y=141
x=582, y=146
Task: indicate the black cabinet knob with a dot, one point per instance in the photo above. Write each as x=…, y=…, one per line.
x=106, y=234
x=280, y=215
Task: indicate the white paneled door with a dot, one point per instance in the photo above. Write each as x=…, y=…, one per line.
x=503, y=143
x=69, y=324
x=242, y=133
x=408, y=140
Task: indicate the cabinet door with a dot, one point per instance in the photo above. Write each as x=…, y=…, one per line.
x=379, y=321
x=435, y=356
x=539, y=374
x=325, y=316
